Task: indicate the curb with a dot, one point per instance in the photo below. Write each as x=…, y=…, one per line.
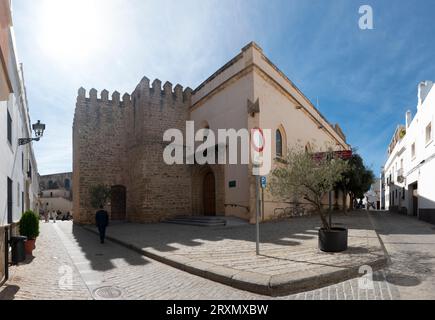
x=274, y=286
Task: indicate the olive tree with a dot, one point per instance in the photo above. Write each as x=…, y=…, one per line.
x=303, y=175
x=99, y=195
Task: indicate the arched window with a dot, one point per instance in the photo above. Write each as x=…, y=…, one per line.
x=279, y=150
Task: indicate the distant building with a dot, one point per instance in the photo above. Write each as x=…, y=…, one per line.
x=56, y=192
x=410, y=168
x=373, y=196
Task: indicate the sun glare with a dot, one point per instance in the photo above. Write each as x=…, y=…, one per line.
x=72, y=30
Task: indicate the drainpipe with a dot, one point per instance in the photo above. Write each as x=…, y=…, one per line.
x=6, y=257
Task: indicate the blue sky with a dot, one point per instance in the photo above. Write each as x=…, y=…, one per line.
x=365, y=80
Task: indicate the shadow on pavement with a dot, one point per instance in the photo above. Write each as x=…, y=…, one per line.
x=103, y=257
x=8, y=292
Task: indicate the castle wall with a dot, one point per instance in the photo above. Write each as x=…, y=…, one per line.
x=98, y=147
x=120, y=142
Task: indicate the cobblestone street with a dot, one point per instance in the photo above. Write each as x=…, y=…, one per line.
x=62, y=247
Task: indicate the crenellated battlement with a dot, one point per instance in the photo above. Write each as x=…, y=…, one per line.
x=144, y=89
x=93, y=97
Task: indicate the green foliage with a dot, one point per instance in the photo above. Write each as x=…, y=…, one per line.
x=29, y=225
x=302, y=176
x=358, y=179
x=99, y=195
x=402, y=133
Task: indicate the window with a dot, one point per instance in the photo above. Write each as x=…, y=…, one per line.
x=9, y=128
x=403, y=193
x=278, y=143
x=67, y=184
x=29, y=173
x=18, y=194
x=429, y=133
x=413, y=151
x=9, y=187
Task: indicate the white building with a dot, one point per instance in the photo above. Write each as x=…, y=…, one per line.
x=19, y=185
x=410, y=169
x=373, y=196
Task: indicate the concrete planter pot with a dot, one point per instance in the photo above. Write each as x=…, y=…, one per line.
x=333, y=240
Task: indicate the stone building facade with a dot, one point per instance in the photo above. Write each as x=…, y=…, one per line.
x=119, y=141
x=56, y=192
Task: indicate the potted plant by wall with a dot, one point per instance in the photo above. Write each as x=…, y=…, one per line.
x=99, y=195
x=29, y=227
x=311, y=178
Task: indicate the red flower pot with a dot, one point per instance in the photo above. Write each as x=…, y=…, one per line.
x=29, y=246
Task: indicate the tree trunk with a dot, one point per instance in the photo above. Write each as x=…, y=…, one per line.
x=323, y=218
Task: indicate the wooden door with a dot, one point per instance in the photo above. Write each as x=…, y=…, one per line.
x=415, y=200
x=118, y=203
x=209, y=195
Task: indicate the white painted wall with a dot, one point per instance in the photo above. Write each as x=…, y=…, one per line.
x=421, y=168
x=12, y=155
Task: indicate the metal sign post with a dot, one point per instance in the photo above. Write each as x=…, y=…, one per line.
x=263, y=186
x=257, y=222
x=258, y=143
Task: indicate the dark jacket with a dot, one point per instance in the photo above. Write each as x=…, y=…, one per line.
x=102, y=218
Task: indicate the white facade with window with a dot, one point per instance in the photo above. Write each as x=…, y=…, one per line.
x=19, y=186
x=410, y=169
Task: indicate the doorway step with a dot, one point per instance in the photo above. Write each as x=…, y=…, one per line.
x=198, y=221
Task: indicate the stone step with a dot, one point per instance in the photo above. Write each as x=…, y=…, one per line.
x=198, y=221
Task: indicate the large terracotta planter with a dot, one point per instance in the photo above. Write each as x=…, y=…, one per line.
x=29, y=246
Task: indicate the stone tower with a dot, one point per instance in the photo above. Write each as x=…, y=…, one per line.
x=118, y=142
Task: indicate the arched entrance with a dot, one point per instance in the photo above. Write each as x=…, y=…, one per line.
x=118, y=203
x=209, y=194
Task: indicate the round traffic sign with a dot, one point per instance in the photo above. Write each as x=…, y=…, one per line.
x=258, y=141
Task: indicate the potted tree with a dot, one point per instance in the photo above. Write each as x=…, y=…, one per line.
x=29, y=227
x=99, y=195
x=307, y=177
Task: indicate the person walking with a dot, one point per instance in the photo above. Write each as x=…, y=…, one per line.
x=54, y=215
x=102, y=221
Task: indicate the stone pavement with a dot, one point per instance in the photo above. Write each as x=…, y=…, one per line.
x=290, y=261
x=39, y=278
x=411, y=247
x=64, y=246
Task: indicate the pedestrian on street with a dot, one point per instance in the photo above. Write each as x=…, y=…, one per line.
x=102, y=221
x=53, y=215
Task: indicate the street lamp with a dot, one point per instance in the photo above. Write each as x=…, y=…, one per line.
x=39, y=129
